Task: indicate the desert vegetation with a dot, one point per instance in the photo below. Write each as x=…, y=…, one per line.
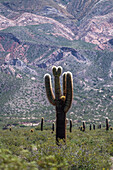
x=31, y=148
x=77, y=35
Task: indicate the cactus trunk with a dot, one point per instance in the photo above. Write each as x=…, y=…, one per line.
x=60, y=124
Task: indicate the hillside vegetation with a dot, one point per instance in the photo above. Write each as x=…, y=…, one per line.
x=34, y=37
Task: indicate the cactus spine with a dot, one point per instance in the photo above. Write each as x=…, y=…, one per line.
x=70, y=125
x=42, y=121
x=62, y=102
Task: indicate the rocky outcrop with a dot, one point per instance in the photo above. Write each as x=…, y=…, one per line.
x=16, y=64
x=60, y=55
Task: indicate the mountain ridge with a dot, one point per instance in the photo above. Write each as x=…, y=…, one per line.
x=32, y=41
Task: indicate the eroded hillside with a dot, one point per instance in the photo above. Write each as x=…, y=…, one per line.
x=78, y=35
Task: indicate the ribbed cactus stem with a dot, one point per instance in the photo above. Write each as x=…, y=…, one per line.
x=42, y=121
x=49, y=90
x=69, y=91
x=107, y=124
x=70, y=125
x=62, y=101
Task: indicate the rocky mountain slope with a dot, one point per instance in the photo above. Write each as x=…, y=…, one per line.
x=78, y=35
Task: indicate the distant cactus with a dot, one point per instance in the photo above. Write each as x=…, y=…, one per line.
x=100, y=126
x=107, y=124
x=90, y=127
x=70, y=125
x=93, y=126
x=42, y=121
x=62, y=102
x=84, y=127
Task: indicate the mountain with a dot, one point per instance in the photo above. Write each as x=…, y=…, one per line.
x=36, y=35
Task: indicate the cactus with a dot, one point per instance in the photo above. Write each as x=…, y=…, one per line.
x=107, y=124
x=93, y=126
x=90, y=127
x=62, y=102
x=70, y=125
x=84, y=127
x=42, y=121
x=100, y=126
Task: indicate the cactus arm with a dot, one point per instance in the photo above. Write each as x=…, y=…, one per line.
x=54, y=69
x=64, y=84
x=49, y=90
x=57, y=73
x=69, y=93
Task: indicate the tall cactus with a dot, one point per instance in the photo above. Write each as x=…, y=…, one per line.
x=62, y=102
